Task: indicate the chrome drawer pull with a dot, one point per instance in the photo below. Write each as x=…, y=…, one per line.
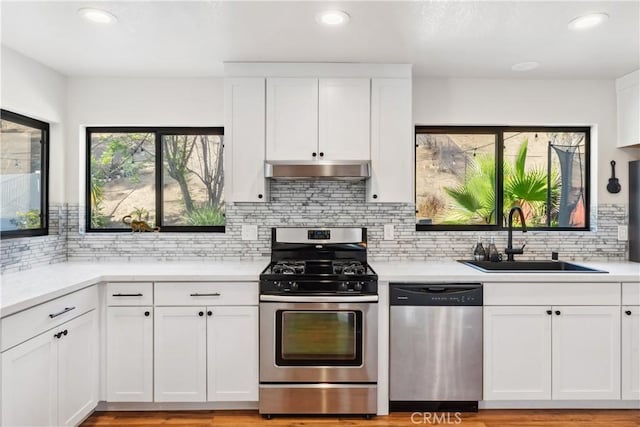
x=66, y=309
x=127, y=295
x=215, y=294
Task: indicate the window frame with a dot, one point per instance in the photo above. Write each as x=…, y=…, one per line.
x=158, y=163
x=499, y=131
x=44, y=127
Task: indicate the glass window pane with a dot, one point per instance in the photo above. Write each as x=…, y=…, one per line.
x=122, y=179
x=192, y=180
x=318, y=335
x=21, y=180
x=455, y=179
x=544, y=174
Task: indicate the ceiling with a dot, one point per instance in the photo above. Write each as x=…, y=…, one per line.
x=480, y=39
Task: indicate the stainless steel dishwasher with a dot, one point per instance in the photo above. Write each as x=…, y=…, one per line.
x=435, y=346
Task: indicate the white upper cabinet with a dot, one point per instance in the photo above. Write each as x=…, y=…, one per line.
x=344, y=111
x=292, y=118
x=392, y=144
x=318, y=119
x=628, y=91
x=245, y=139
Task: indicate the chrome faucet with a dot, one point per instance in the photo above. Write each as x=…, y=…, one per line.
x=509, y=250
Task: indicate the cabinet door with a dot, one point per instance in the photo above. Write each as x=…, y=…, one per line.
x=586, y=352
x=180, y=354
x=232, y=349
x=517, y=353
x=392, y=143
x=129, y=354
x=631, y=352
x=344, y=119
x=292, y=118
x=77, y=369
x=244, y=139
x=628, y=103
x=29, y=378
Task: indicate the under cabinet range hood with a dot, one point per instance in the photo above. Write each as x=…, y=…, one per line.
x=291, y=169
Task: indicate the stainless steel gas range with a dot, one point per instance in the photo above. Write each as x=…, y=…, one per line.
x=318, y=324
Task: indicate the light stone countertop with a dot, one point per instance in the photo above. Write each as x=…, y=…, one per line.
x=452, y=271
x=25, y=289
x=22, y=290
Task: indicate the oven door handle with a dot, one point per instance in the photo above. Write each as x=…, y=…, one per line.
x=302, y=298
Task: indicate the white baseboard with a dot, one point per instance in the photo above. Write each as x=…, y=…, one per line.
x=559, y=404
x=174, y=406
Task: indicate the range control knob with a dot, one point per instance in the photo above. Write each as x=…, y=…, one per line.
x=294, y=286
x=278, y=285
x=357, y=286
x=343, y=286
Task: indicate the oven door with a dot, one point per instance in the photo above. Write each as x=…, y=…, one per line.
x=302, y=341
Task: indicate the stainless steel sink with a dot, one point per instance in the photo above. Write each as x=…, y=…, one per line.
x=530, y=267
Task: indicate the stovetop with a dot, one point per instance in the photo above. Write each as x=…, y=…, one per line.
x=319, y=261
x=325, y=268
x=319, y=277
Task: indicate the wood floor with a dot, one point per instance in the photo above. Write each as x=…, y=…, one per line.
x=484, y=418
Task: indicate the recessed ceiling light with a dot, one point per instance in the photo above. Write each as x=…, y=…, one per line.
x=332, y=17
x=589, y=20
x=525, y=66
x=97, y=15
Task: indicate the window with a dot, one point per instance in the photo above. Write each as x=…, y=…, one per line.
x=470, y=177
x=24, y=156
x=171, y=178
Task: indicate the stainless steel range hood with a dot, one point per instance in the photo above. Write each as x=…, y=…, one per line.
x=347, y=170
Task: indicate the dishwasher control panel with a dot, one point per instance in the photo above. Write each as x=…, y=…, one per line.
x=436, y=294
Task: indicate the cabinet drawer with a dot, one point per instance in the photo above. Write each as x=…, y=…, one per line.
x=543, y=293
x=206, y=293
x=130, y=293
x=26, y=324
x=631, y=293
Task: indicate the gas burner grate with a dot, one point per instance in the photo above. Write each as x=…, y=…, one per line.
x=289, y=267
x=349, y=268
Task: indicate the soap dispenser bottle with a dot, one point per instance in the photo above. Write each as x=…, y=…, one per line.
x=494, y=256
x=479, y=252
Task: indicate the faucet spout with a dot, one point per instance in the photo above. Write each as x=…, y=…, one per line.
x=510, y=251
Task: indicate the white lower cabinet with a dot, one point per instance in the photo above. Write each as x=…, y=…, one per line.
x=29, y=383
x=232, y=354
x=51, y=379
x=586, y=352
x=631, y=352
x=180, y=354
x=206, y=354
x=129, y=354
x=551, y=352
x=517, y=353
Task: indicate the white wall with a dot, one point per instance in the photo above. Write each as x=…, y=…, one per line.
x=134, y=102
x=32, y=89
x=529, y=102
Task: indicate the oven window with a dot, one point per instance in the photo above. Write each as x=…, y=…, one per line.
x=308, y=338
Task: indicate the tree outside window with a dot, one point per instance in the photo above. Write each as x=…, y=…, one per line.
x=460, y=183
x=171, y=178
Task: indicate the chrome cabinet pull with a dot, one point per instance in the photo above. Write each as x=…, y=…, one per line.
x=126, y=295
x=214, y=294
x=66, y=310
